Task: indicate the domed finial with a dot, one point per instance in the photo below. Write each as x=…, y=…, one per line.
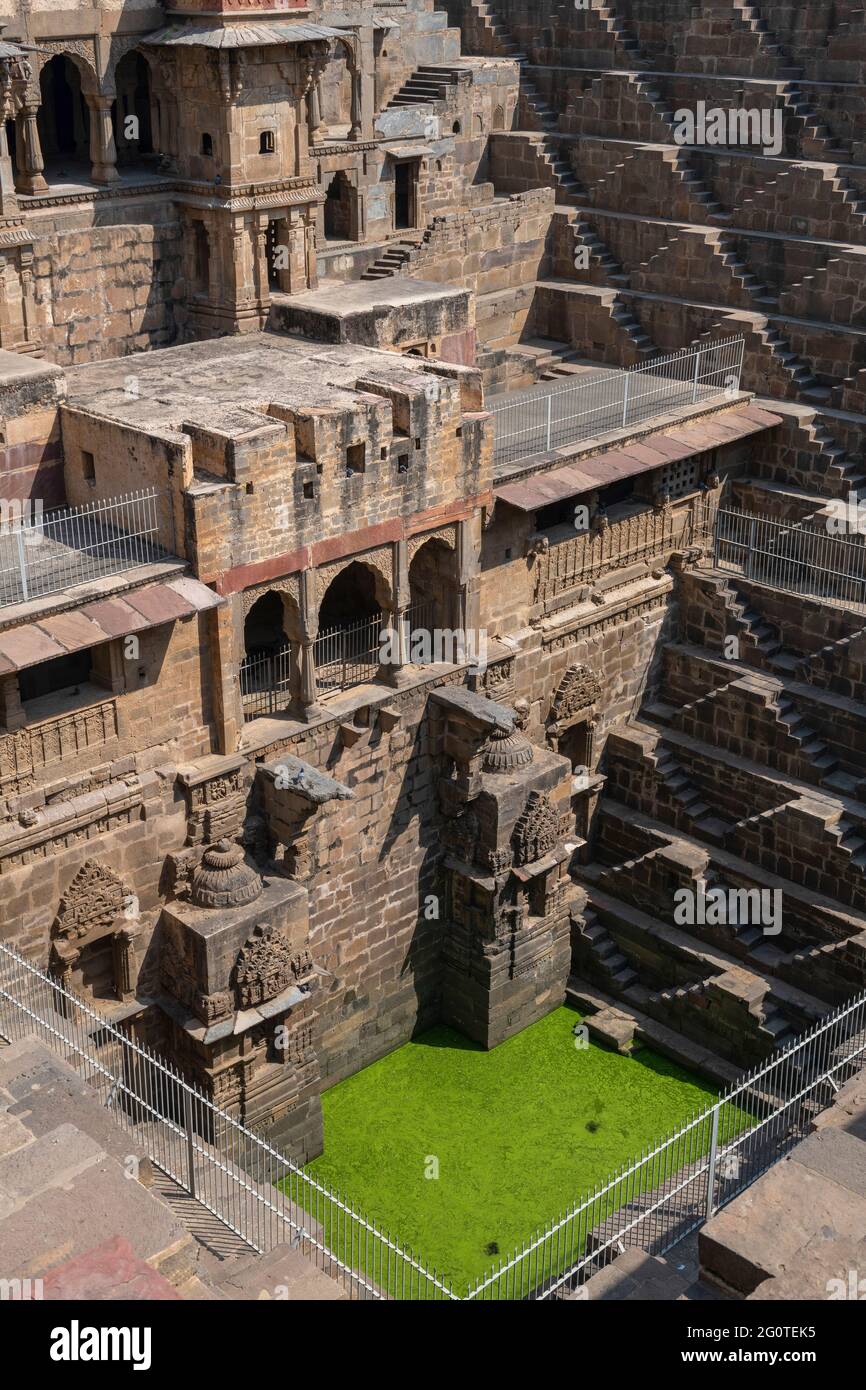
x=224, y=879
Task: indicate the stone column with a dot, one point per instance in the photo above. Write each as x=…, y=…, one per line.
x=8, y=200
x=356, y=131
x=310, y=248
x=103, y=154
x=314, y=110
x=399, y=616
x=469, y=593
x=123, y=950
x=30, y=177
x=309, y=632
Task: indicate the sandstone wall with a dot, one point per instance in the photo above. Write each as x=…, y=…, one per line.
x=106, y=283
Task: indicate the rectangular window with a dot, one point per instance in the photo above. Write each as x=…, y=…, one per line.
x=63, y=675
x=356, y=459
x=88, y=466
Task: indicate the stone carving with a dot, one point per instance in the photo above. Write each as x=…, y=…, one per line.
x=505, y=751
x=380, y=559
x=536, y=833
x=94, y=900
x=447, y=534
x=290, y=585
x=266, y=966
x=579, y=688
x=224, y=879
x=81, y=51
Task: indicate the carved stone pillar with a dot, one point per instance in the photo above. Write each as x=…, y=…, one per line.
x=314, y=111
x=30, y=177
x=124, y=961
x=103, y=153
x=399, y=618
x=309, y=632
x=356, y=116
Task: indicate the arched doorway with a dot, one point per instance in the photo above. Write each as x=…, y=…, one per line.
x=350, y=630
x=269, y=671
x=132, y=111
x=63, y=121
x=339, y=209
x=433, y=606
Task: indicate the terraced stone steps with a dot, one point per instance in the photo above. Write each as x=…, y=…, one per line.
x=610, y=963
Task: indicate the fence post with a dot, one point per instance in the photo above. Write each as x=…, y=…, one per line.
x=711, y=1170
x=22, y=563
x=625, y=400
x=190, y=1151
x=549, y=422
x=697, y=375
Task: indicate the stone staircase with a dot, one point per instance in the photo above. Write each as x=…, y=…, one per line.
x=569, y=189
x=809, y=743
x=595, y=951
x=815, y=138
x=428, y=84
x=631, y=327
x=680, y=787
x=748, y=17
x=611, y=270
x=394, y=261
x=760, y=638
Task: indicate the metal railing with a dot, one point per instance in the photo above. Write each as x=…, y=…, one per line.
x=544, y=418
x=266, y=682
x=798, y=558
x=45, y=553
x=260, y=1194
x=675, y=1185
x=347, y=656
x=250, y=1186
x=344, y=657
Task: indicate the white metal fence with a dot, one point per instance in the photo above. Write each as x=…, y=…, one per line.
x=675, y=1185
x=46, y=553
x=651, y=1202
x=799, y=558
x=544, y=418
x=253, y=1189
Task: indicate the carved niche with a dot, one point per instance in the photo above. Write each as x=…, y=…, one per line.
x=579, y=689
x=536, y=833
x=267, y=965
x=93, y=901
x=94, y=913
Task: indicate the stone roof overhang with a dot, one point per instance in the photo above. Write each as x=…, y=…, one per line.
x=102, y=620
x=240, y=35
x=398, y=151
x=654, y=451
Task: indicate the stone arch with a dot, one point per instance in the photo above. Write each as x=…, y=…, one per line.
x=380, y=562
x=79, y=52
x=63, y=119
x=269, y=669
x=339, y=219
x=434, y=584
x=274, y=609
x=133, y=96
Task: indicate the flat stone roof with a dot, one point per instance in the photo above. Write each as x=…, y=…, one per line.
x=228, y=383
x=360, y=296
